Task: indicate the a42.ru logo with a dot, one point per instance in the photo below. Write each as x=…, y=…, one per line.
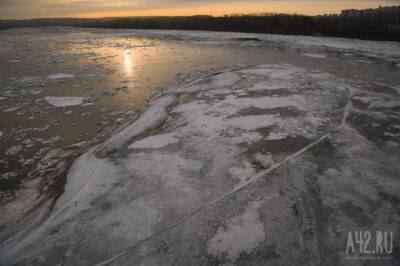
x=369, y=244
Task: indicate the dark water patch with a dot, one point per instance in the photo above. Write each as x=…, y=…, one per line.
x=379, y=88
x=246, y=39
x=356, y=214
x=262, y=254
x=373, y=129
x=185, y=98
x=286, y=145
x=359, y=104
x=267, y=92
x=393, y=199
x=9, y=181
x=325, y=156
x=394, y=111
x=287, y=111
x=265, y=131
x=101, y=203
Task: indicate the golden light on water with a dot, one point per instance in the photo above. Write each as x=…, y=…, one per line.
x=128, y=63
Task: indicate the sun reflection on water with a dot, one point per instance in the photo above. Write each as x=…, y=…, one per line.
x=128, y=62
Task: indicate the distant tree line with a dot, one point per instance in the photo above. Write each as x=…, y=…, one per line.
x=372, y=25
x=41, y=22
x=364, y=27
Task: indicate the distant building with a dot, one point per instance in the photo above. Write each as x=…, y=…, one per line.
x=352, y=13
x=387, y=10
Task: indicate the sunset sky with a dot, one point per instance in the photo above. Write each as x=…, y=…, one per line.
x=17, y=9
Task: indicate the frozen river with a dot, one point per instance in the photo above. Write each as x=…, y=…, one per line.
x=252, y=149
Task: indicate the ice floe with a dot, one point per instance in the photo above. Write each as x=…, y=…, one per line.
x=11, y=109
x=276, y=135
x=60, y=76
x=316, y=56
x=64, y=101
x=14, y=150
x=4, y=46
x=155, y=142
x=29, y=79
x=8, y=176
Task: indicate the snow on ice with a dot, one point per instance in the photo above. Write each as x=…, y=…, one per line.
x=239, y=234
